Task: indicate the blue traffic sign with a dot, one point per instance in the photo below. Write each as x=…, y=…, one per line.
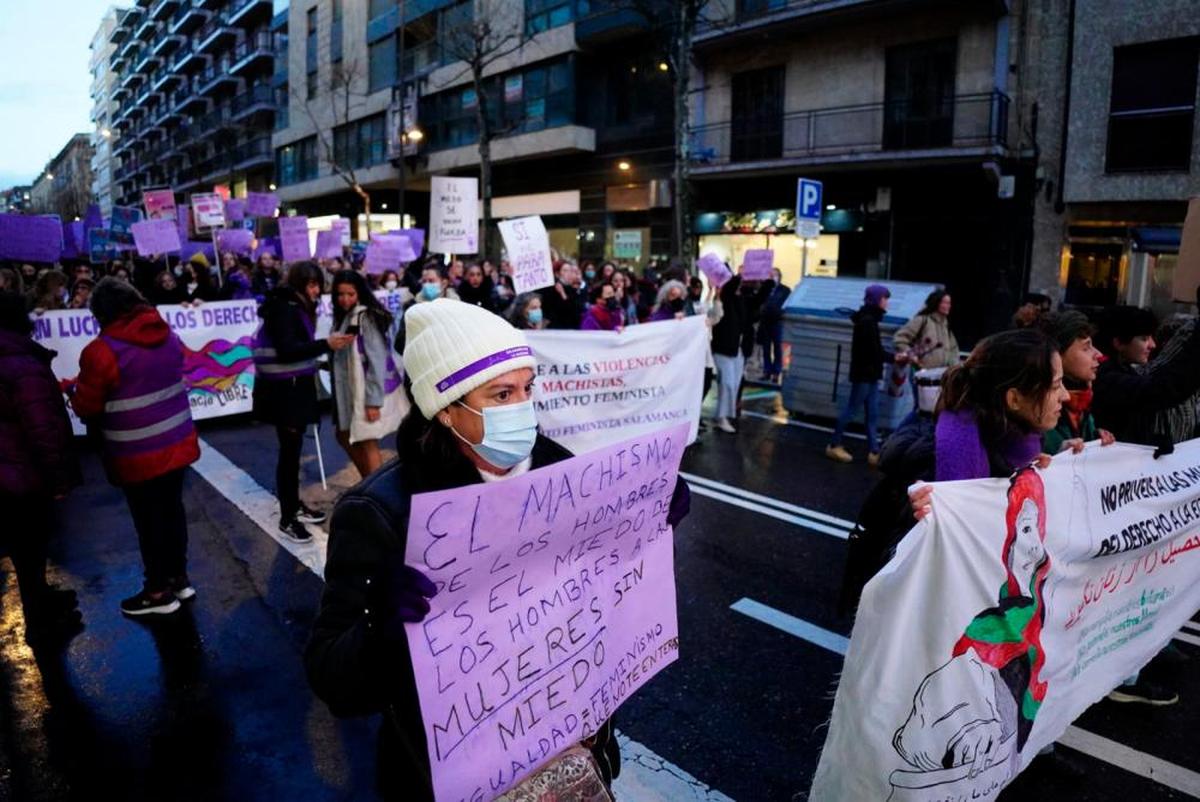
x=808, y=199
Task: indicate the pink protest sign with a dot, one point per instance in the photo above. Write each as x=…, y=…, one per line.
x=757, y=264
x=293, y=239
x=556, y=602
x=385, y=253
x=329, y=244
x=712, y=267
x=235, y=240
x=155, y=237
x=261, y=204
x=159, y=203
x=235, y=210
x=208, y=211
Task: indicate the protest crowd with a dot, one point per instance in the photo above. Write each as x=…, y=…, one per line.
x=430, y=359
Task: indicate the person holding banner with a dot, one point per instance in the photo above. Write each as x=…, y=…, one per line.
x=473, y=421
x=131, y=387
x=285, y=386
x=604, y=313
x=671, y=302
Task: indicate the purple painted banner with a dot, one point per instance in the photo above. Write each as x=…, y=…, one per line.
x=712, y=267
x=555, y=603
x=261, y=204
x=235, y=240
x=293, y=239
x=329, y=244
x=235, y=210
x=757, y=264
x=31, y=238
x=156, y=237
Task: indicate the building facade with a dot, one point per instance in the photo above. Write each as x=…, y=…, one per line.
x=64, y=187
x=16, y=199
x=194, y=95
x=104, y=82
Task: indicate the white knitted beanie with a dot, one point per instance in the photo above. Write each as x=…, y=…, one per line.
x=453, y=347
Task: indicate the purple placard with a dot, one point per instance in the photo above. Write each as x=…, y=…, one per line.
x=188, y=249
x=383, y=253
x=261, y=204
x=329, y=244
x=155, y=237
x=235, y=240
x=757, y=264
x=235, y=210
x=711, y=265
x=404, y=246
x=183, y=215
x=92, y=219
x=470, y=370
x=342, y=226
x=74, y=244
x=31, y=238
x=293, y=239
x=416, y=236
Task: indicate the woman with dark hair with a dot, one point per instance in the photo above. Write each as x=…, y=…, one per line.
x=285, y=390
x=50, y=291
x=476, y=288
x=166, y=290
x=926, y=340
x=526, y=312
x=131, y=387
x=364, y=376
x=604, y=313
x=37, y=466
x=266, y=275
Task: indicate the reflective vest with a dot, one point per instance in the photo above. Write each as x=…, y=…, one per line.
x=149, y=409
x=266, y=359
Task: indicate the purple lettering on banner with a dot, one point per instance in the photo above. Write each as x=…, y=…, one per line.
x=235, y=210
x=156, y=237
x=712, y=267
x=757, y=264
x=261, y=204
x=483, y=364
x=293, y=239
x=556, y=603
x=31, y=238
x=235, y=240
x=329, y=244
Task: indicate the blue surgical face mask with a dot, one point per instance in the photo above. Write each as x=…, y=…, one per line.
x=431, y=290
x=535, y=316
x=509, y=432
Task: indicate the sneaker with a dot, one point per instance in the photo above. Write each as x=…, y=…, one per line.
x=838, y=454
x=1143, y=692
x=308, y=515
x=873, y=459
x=145, y=603
x=295, y=530
x=724, y=425
x=181, y=586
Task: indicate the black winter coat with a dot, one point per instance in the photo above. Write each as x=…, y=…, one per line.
x=561, y=313
x=867, y=355
x=288, y=402
x=727, y=334
x=1124, y=401
x=350, y=664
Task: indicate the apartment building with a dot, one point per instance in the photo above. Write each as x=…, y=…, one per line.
x=579, y=96
x=195, y=102
x=16, y=199
x=104, y=81
x=64, y=187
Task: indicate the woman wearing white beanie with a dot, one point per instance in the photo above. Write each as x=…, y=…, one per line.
x=473, y=421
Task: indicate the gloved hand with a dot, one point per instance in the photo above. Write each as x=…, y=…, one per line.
x=398, y=595
x=681, y=503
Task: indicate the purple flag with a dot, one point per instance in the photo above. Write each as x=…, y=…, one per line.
x=293, y=239
x=261, y=204
x=31, y=238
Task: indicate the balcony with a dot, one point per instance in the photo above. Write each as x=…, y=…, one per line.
x=256, y=99
x=420, y=59
x=962, y=126
x=214, y=34
x=144, y=27
x=245, y=12
x=165, y=41
x=253, y=51
x=131, y=79
x=253, y=153
x=609, y=20
x=189, y=100
x=216, y=76
x=186, y=58
x=163, y=9
x=279, y=21
x=121, y=31
x=188, y=17
x=120, y=93
x=146, y=60
x=212, y=122
x=165, y=79
x=127, y=50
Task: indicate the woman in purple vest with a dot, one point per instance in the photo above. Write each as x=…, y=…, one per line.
x=131, y=388
x=285, y=391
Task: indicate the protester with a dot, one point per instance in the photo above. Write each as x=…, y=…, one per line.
x=37, y=466
x=727, y=352
x=604, y=313
x=526, y=312
x=285, y=390
x=671, y=302
x=266, y=275
x=1072, y=332
x=195, y=279
x=434, y=284
x=81, y=293
x=926, y=340
x=390, y=280
x=560, y=301
x=1035, y=307
x=166, y=290
x=358, y=313
x=469, y=424
x=239, y=280
x=476, y=288
x=867, y=358
x=1125, y=397
x=130, y=387
x=588, y=268
x=1182, y=421
x=503, y=294
x=770, y=327
x=120, y=272
x=454, y=273
x=50, y=292
x=10, y=281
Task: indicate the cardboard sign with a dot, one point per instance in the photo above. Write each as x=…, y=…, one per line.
x=528, y=252
x=267, y=245
x=121, y=223
x=757, y=264
x=235, y=240
x=454, y=215
x=293, y=239
x=711, y=265
x=329, y=244
x=342, y=226
x=159, y=203
x=386, y=253
x=31, y=238
x=1187, y=270
x=100, y=246
x=416, y=236
x=208, y=211
x=74, y=240
x=261, y=204
x=156, y=237
x=235, y=210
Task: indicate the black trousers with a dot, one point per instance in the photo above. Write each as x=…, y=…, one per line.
x=156, y=506
x=26, y=543
x=287, y=471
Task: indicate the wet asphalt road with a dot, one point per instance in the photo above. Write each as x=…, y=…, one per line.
x=213, y=703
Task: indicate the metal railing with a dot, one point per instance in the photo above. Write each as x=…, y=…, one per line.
x=420, y=58
x=257, y=95
x=956, y=122
x=257, y=42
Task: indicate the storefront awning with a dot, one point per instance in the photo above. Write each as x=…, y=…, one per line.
x=1157, y=240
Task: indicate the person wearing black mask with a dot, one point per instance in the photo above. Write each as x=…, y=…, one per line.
x=671, y=302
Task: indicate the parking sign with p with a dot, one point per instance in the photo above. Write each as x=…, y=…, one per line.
x=808, y=207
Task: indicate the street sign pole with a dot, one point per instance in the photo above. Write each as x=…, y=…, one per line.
x=808, y=216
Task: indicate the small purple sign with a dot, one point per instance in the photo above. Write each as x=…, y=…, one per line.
x=293, y=239
x=407, y=252
x=235, y=240
x=757, y=264
x=329, y=244
x=74, y=240
x=386, y=252
x=416, y=236
x=235, y=210
x=155, y=237
x=261, y=204
x=711, y=265
x=31, y=238
x=462, y=374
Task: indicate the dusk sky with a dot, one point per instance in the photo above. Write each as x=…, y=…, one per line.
x=44, y=86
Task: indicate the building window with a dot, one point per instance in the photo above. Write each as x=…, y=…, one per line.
x=381, y=64
x=541, y=15
x=310, y=55
x=755, y=8
x=335, y=31
x=454, y=30
x=919, y=95
x=1153, y=106
x=362, y=143
x=297, y=162
x=377, y=8
x=757, y=99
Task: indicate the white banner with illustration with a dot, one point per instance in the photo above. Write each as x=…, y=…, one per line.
x=1005, y=615
x=596, y=387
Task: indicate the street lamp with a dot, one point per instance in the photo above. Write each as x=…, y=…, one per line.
x=106, y=133
x=624, y=166
x=49, y=176
x=271, y=187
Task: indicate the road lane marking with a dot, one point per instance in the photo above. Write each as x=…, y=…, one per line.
x=701, y=490
x=769, y=501
x=1192, y=625
x=784, y=420
x=1184, y=637
x=645, y=777
x=1108, y=751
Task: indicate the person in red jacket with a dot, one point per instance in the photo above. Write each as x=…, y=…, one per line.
x=131, y=388
x=37, y=466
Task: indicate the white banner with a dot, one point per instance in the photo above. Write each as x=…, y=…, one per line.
x=1005, y=615
x=453, y=215
x=597, y=387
